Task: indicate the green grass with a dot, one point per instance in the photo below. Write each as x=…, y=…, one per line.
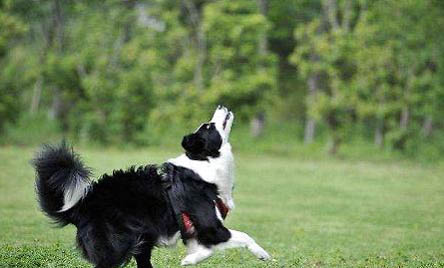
x=311, y=213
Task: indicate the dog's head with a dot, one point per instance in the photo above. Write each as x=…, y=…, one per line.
x=207, y=140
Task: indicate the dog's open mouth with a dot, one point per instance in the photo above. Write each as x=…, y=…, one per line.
x=226, y=120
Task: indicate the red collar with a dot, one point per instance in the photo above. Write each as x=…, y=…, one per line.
x=188, y=224
x=223, y=209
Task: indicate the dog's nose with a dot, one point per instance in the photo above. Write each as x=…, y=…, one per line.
x=221, y=107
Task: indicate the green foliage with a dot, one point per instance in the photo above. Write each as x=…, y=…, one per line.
x=373, y=67
x=328, y=56
x=11, y=27
x=127, y=72
x=241, y=76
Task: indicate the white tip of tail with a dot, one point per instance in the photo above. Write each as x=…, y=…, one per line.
x=74, y=193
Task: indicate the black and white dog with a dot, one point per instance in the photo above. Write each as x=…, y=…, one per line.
x=128, y=213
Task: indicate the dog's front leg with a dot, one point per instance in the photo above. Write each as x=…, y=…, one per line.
x=196, y=253
x=240, y=239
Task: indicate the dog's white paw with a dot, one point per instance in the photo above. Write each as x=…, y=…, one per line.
x=188, y=260
x=196, y=257
x=259, y=252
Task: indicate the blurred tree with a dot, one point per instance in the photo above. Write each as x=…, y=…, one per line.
x=284, y=17
x=114, y=65
x=193, y=11
x=408, y=66
x=324, y=57
x=376, y=81
x=258, y=121
x=11, y=28
x=125, y=70
x=238, y=75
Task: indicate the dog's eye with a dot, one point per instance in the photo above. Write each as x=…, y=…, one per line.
x=208, y=126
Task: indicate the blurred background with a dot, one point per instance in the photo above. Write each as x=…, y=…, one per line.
x=339, y=110
x=361, y=78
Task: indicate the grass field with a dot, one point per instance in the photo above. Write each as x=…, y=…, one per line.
x=311, y=213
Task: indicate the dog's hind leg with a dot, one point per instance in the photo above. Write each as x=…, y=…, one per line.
x=143, y=259
x=240, y=239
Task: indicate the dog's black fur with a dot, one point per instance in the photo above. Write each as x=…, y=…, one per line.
x=126, y=213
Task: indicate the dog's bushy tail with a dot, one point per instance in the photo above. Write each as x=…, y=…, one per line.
x=61, y=181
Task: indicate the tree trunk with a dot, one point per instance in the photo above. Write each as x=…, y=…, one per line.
x=257, y=125
x=313, y=81
x=195, y=18
x=59, y=21
x=331, y=10
x=36, y=94
x=404, y=120
x=379, y=133
x=258, y=122
x=400, y=143
x=263, y=42
x=310, y=123
x=347, y=15
x=309, y=132
x=128, y=25
x=427, y=126
x=335, y=143
x=201, y=55
x=57, y=104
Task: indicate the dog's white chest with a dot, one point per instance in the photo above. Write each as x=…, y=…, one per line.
x=219, y=171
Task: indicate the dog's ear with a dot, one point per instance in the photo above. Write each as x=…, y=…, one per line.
x=193, y=143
